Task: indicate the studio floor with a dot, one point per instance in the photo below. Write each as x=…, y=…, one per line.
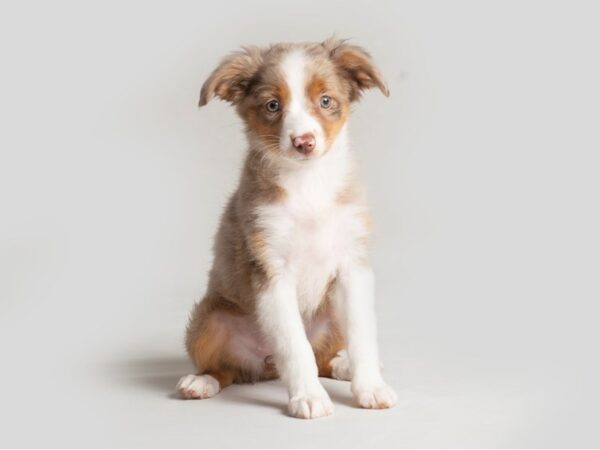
x=450, y=395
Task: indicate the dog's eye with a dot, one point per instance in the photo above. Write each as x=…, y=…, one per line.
x=273, y=106
x=326, y=101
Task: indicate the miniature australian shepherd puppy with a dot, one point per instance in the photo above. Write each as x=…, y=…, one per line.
x=291, y=291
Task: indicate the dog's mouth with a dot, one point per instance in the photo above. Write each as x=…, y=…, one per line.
x=302, y=155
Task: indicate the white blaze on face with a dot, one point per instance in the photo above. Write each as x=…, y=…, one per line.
x=297, y=119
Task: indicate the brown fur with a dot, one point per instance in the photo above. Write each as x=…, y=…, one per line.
x=248, y=79
x=333, y=118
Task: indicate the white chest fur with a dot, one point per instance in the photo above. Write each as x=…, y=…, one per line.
x=310, y=235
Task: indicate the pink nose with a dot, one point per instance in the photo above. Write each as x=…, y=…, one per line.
x=305, y=143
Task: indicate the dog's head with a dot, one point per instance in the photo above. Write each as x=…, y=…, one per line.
x=294, y=98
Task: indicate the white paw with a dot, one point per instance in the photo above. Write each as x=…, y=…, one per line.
x=376, y=396
x=340, y=366
x=311, y=406
x=198, y=386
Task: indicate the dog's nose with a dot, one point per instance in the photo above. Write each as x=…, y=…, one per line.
x=305, y=143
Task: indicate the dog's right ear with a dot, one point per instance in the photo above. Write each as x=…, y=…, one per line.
x=229, y=81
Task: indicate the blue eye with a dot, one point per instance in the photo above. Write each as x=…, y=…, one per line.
x=273, y=106
x=326, y=101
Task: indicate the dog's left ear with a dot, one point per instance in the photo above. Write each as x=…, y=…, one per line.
x=229, y=81
x=355, y=65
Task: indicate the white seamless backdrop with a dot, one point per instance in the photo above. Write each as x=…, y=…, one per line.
x=482, y=170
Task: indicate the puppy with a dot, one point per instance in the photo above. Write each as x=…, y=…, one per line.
x=291, y=291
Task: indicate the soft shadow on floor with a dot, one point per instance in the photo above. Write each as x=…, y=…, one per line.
x=339, y=392
x=270, y=394
x=159, y=373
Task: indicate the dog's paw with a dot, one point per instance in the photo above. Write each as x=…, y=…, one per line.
x=311, y=406
x=198, y=386
x=378, y=396
x=340, y=366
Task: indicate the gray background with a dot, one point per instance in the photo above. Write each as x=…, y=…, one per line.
x=482, y=169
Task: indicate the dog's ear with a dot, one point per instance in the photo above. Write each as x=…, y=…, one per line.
x=229, y=81
x=356, y=66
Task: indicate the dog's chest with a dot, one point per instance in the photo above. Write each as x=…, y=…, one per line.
x=309, y=247
x=309, y=236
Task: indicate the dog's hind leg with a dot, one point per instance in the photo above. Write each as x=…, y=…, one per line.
x=339, y=367
x=224, y=348
x=329, y=347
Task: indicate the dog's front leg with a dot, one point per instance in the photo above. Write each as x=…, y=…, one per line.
x=281, y=322
x=357, y=309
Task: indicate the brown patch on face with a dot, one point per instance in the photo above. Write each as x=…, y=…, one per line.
x=333, y=117
x=262, y=123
